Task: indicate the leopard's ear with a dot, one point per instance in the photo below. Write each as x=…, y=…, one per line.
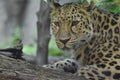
x=54, y=4
x=85, y=3
x=92, y=4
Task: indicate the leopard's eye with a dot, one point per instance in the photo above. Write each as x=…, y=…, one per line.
x=74, y=23
x=57, y=24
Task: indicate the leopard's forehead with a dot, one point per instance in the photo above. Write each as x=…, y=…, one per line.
x=70, y=7
x=69, y=11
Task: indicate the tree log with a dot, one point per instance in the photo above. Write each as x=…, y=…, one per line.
x=14, y=69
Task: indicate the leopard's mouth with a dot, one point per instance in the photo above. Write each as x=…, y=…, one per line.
x=68, y=46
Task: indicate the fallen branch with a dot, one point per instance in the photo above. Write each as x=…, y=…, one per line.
x=14, y=52
x=12, y=69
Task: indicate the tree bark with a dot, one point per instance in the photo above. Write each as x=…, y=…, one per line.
x=43, y=30
x=12, y=69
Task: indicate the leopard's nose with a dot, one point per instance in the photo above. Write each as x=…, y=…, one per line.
x=65, y=41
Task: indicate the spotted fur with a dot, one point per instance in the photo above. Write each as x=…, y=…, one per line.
x=94, y=35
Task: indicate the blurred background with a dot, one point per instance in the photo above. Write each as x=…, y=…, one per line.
x=18, y=21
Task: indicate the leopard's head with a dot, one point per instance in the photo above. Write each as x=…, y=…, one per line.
x=71, y=24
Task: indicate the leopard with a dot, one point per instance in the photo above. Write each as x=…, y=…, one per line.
x=92, y=34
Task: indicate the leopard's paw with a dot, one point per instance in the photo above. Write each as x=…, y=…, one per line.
x=67, y=65
x=49, y=66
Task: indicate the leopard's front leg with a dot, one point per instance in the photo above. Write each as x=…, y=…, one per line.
x=67, y=65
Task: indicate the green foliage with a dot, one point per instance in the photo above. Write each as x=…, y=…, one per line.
x=109, y=5
x=29, y=49
x=114, y=9
x=16, y=36
x=53, y=50
x=3, y=45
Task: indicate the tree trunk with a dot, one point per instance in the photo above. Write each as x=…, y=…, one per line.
x=12, y=69
x=43, y=30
